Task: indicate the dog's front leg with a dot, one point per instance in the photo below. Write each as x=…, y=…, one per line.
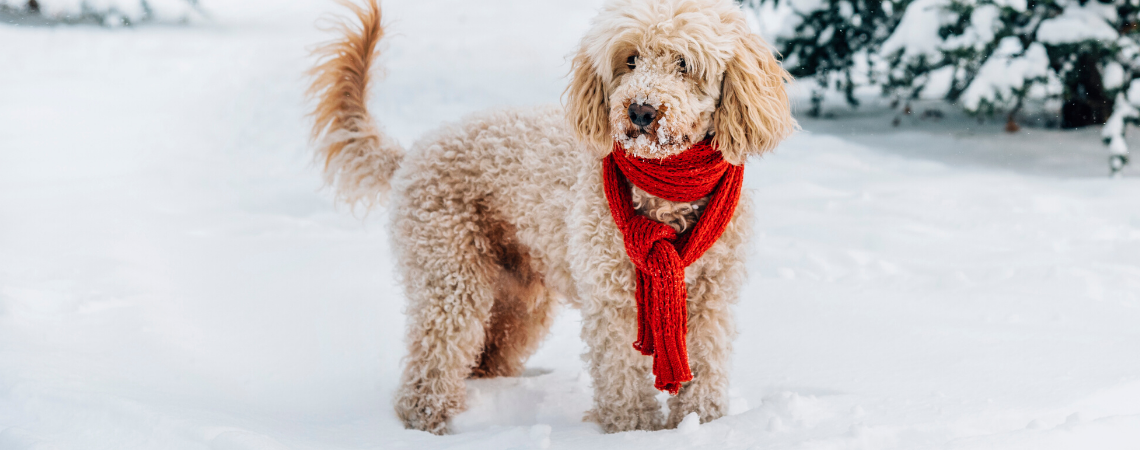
x=711, y=330
x=624, y=397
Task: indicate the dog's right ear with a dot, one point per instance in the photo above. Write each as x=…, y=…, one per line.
x=586, y=106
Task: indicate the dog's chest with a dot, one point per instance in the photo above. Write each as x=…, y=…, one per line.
x=679, y=215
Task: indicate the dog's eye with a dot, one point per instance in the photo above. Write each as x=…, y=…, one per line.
x=631, y=62
x=681, y=64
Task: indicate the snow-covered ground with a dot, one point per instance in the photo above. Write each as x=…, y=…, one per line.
x=172, y=276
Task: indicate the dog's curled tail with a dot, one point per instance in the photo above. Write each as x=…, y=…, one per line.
x=358, y=158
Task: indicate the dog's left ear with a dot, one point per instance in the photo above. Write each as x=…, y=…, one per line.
x=754, y=114
x=586, y=106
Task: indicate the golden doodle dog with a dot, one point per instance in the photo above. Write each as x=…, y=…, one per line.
x=499, y=219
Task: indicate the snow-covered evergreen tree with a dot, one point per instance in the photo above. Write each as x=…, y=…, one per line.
x=106, y=12
x=993, y=54
x=834, y=41
x=988, y=56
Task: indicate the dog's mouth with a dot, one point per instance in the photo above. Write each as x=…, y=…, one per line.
x=649, y=131
x=648, y=136
x=659, y=139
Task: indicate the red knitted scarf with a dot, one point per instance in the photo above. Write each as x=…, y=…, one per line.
x=658, y=253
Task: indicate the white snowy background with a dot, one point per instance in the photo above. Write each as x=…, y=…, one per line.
x=173, y=276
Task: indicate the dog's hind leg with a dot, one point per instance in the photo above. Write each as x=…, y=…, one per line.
x=522, y=313
x=514, y=332
x=450, y=277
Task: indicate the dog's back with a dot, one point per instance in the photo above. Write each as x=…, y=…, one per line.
x=513, y=169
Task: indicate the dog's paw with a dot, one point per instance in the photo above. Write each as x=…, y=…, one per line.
x=707, y=410
x=426, y=412
x=616, y=420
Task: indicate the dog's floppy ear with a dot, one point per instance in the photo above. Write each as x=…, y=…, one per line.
x=754, y=114
x=586, y=106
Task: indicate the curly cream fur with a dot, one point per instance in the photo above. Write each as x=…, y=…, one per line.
x=678, y=215
x=499, y=219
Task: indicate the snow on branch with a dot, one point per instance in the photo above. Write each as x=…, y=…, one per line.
x=1123, y=114
x=1006, y=78
x=1088, y=22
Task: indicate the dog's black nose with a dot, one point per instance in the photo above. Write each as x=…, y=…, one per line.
x=641, y=114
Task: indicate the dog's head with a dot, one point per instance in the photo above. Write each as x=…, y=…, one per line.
x=658, y=76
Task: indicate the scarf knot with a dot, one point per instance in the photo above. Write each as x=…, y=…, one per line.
x=658, y=253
